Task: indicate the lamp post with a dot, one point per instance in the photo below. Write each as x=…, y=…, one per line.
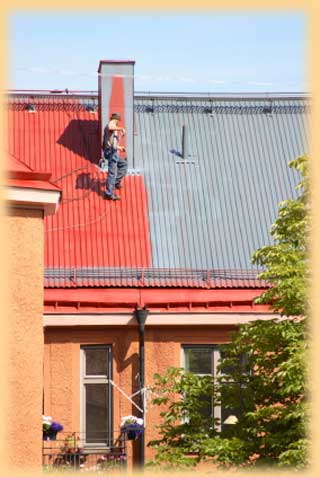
x=141, y=316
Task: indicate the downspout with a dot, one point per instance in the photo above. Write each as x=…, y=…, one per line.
x=141, y=316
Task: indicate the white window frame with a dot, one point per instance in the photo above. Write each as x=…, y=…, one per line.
x=95, y=379
x=215, y=359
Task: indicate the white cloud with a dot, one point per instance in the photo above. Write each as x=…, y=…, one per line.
x=36, y=69
x=259, y=83
x=186, y=79
x=161, y=78
x=213, y=81
x=144, y=77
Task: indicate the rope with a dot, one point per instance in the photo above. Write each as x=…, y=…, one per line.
x=98, y=219
x=143, y=391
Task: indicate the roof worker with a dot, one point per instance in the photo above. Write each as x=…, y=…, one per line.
x=117, y=166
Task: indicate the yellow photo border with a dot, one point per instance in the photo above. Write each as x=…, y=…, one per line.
x=311, y=9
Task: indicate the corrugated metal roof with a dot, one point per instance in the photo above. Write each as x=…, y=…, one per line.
x=182, y=221
x=14, y=166
x=20, y=175
x=87, y=230
x=213, y=208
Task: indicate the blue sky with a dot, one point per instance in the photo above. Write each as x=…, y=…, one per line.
x=177, y=52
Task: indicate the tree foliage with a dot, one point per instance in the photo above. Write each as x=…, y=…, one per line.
x=182, y=397
x=268, y=387
x=286, y=261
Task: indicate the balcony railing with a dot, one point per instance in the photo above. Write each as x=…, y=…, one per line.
x=69, y=451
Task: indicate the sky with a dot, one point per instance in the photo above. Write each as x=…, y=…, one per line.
x=206, y=52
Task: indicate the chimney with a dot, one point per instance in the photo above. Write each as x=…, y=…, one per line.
x=116, y=79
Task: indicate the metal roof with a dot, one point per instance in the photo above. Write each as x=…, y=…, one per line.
x=87, y=231
x=20, y=175
x=214, y=207
x=186, y=218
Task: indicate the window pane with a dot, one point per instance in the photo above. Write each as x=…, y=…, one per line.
x=237, y=365
x=96, y=361
x=224, y=368
x=198, y=360
x=96, y=412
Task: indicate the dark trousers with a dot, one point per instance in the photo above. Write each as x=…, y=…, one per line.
x=117, y=169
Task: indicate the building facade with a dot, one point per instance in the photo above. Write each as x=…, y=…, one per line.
x=205, y=176
x=30, y=197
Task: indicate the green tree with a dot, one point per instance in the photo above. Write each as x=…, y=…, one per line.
x=286, y=261
x=184, y=426
x=270, y=390
x=269, y=386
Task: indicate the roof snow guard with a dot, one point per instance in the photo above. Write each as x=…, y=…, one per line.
x=150, y=277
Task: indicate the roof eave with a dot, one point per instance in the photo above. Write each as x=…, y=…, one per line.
x=29, y=197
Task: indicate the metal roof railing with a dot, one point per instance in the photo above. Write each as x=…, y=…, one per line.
x=151, y=277
x=153, y=273
x=222, y=95
x=165, y=95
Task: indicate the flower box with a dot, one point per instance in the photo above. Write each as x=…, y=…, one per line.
x=132, y=426
x=50, y=428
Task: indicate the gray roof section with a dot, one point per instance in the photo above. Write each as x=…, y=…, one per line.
x=213, y=207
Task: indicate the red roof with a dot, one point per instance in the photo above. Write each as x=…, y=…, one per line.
x=16, y=166
x=20, y=175
x=87, y=231
x=91, y=242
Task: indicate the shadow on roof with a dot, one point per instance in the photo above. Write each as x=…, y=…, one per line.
x=81, y=136
x=87, y=182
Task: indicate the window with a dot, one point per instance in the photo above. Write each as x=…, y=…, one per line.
x=203, y=360
x=96, y=395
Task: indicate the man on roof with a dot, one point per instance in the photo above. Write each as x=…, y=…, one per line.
x=117, y=166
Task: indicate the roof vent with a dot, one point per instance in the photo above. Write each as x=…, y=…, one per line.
x=31, y=108
x=185, y=153
x=267, y=109
x=185, y=142
x=149, y=109
x=207, y=110
x=90, y=108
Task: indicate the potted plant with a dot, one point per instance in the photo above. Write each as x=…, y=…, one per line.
x=50, y=428
x=132, y=426
x=71, y=454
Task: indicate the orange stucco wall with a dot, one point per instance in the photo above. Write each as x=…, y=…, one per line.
x=162, y=350
x=25, y=332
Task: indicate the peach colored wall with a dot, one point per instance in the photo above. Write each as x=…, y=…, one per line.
x=62, y=372
x=162, y=350
x=25, y=364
